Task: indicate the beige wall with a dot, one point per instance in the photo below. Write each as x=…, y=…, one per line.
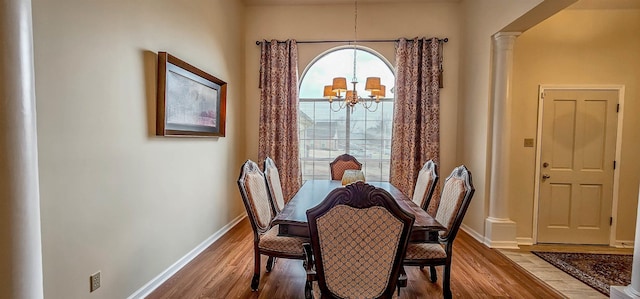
x=481, y=19
x=465, y=99
x=115, y=197
x=375, y=21
x=576, y=47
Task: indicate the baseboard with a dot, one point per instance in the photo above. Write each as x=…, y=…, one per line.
x=501, y=244
x=474, y=234
x=480, y=238
x=524, y=241
x=617, y=243
x=623, y=244
x=500, y=233
x=166, y=274
x=623, y=292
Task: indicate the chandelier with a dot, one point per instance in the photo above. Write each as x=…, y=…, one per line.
x=339, y=88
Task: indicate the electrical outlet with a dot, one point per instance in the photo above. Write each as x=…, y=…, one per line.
x=94, y=282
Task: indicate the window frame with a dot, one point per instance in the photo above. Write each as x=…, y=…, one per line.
x=347, y=111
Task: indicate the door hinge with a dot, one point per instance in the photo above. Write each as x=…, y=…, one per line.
x=542, y=95
x=617, y=107
x=610, y=221
x=614, y=164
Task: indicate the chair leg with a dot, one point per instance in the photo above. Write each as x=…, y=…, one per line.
x=433, y=274
x=270, y=262
x=308, y=290
x=446, y=285
x=255, y=281
x=402, y=279
x=309, y=267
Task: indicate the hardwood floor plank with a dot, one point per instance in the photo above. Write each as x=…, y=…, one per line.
x=224, y=270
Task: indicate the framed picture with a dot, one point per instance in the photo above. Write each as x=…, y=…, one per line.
x=191, y=102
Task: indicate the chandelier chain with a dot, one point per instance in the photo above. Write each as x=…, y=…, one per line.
x=351, y=97
x=355, y=40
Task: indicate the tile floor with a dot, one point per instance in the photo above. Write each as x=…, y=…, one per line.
x=554, y=277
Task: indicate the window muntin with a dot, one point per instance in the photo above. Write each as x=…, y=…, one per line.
x=325, y=134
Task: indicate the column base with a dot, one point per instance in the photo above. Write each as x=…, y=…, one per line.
x=500, y=233
x=622, y=292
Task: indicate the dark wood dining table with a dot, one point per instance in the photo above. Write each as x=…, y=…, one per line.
x=292, y=220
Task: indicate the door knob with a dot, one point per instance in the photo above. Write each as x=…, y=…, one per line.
x=545, y=176
x=545, y=164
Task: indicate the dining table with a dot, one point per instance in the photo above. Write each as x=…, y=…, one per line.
x=292, y=220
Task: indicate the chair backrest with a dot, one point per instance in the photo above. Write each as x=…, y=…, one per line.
x=253, y=188
x=455, y=198
x=342, y=163
x=425, y=185
x=359, y=236
x=273, y=184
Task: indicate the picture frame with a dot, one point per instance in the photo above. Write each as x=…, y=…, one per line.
x=190, y=101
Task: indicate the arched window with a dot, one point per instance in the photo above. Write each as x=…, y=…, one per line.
x=326, y=134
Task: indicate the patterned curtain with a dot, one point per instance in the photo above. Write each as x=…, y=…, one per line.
x=416, y=115
x=278, y=136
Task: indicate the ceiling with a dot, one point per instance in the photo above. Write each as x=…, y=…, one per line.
x=320, y=2
x=606, y=4
x=581, y=4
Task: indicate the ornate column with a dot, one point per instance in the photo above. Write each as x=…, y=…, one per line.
x=632, y=290
x=20, y=239
x=500, y=231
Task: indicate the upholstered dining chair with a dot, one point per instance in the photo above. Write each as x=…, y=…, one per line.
x=425, y=186
x=423, y=195
x=455, y=198
x=273, y=184
x=358, y=238
x=342, y=163
x=253, y=188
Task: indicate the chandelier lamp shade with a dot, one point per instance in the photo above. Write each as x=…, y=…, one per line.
x=349, y=97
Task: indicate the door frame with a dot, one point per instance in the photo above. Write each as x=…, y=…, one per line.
x=616, y=172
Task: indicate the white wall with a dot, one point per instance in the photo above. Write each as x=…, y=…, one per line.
x=115, y=197
x=576, y=46
x=375, y=21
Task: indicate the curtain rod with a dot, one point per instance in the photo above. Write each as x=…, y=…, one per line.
x=444, y=40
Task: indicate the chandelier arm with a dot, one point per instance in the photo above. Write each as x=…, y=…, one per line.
x=341, y=105
x=366, y=104
x=331, y=107
x=370, y=105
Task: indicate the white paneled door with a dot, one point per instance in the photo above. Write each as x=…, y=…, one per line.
x=577, y=165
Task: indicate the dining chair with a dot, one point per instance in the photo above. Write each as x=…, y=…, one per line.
x=255, y=196
x=273, y=185
x=423, y=195
x=425, y=186
x=342, y=163
x=359, y=235
x=456, y=195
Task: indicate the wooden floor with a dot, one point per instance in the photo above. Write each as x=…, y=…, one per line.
x=224, y=270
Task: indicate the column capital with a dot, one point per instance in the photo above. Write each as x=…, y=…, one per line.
x=506, y=35
x=504, y=40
